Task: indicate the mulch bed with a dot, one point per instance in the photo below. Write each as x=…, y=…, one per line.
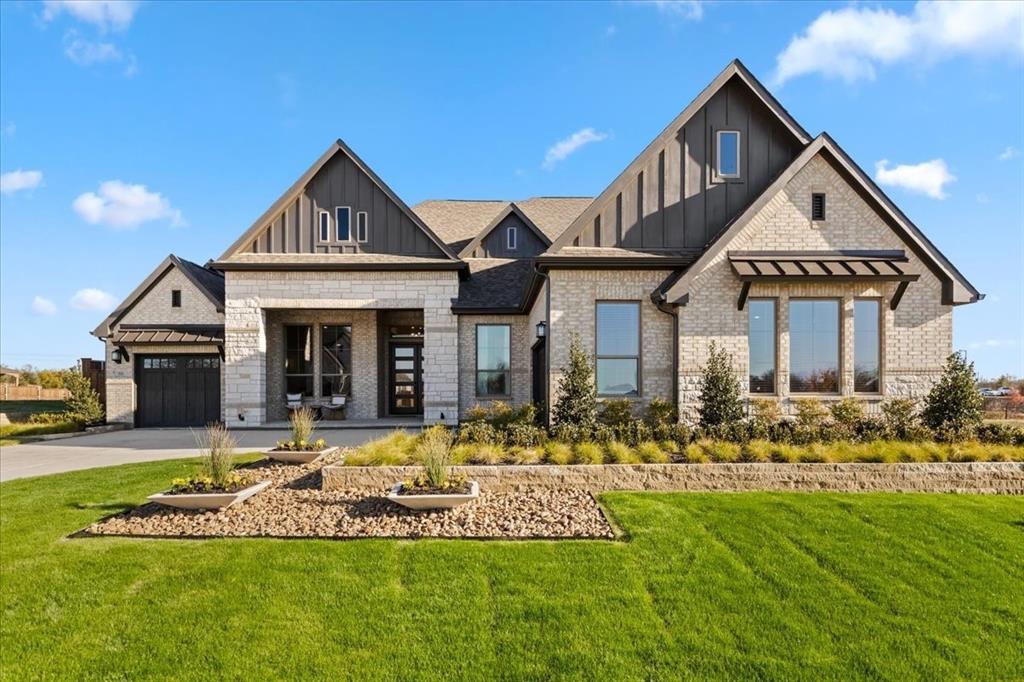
x=294, y=506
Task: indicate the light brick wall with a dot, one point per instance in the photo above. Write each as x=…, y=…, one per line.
x=574, y=294
x=916, y=338
x=250, y=294
x=522, y=339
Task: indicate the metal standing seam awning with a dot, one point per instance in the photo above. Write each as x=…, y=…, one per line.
x=822, y=266
x=184, y=334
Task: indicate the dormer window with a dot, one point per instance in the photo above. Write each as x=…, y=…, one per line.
x=817, y=206
x=343, y=214
x=325, y=226
x=512, y=237
x=175, y=298
x=727, y=153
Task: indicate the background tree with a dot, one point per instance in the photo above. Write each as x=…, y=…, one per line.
x=953, y=406
x=577, y=397
x=83, y=405
x=719, y=390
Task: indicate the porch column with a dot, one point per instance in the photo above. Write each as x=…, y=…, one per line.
x=245, y=361
x=440, y=363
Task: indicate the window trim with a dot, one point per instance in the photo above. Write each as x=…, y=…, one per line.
x=512, y=237
x=337, y=224
x=476, y=362
x=323, y=237
x=362, y=235
x=824, y=207
x=881, y=345
x=775, y=389
x=840, y=337
x=175, y=298
x=718, y=154
x=639, y=357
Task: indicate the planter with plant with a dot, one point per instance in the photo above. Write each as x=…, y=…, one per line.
x=217, y=485
x=301, y=448
x=437, y=487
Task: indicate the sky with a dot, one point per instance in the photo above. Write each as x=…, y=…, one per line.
x=132, y=130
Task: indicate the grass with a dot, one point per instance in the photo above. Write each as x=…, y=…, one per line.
x=14, y=434
x=728, y=586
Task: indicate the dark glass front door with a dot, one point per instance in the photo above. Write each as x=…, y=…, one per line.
x=405, y=378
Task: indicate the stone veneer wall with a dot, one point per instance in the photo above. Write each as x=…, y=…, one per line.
x=521, y=340
x=916, y=338
x=976, y=477
x=155, y=308
x=574, y=295
x=250, y=294
x=362, y=403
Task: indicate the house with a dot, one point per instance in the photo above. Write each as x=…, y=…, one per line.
x=734, y=225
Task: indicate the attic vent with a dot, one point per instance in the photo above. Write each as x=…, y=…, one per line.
x=817, y=207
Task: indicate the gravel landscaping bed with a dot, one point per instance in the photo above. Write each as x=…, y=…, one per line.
x=296, y=506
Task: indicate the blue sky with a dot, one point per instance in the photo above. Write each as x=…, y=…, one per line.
x=129, y=131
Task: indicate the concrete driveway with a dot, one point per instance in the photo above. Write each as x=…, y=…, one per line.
x=139, y=445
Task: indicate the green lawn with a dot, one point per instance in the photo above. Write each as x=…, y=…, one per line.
x=13, y=434
x=741, y=586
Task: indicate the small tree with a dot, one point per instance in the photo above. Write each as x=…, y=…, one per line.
x=83, y=405
x=719, y=390
x=577, y=397
x=953, y=406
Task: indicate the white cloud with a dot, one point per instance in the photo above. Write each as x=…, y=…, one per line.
x=610, y=30
x=92, y=299
x=18, y=180
x=691, y=10
x=124, y=206
x=104, y=14
x=1009, y=153
x=86, y=52
x=563, y=148
x=928, y=177
x=10, y=129
x=849, y=43
x=993, y=343
x=43, y=306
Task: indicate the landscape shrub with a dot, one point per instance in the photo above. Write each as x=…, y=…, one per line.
x=302, y=422
x=572, y=433
x=869, y=429
x=616, y=412
x=524, y=434
x=476, y=413
x=660, y=413
x=577, y=397
x=719, y=390
x=216, y=451
x=632, y=432
x=1001, y=434
x=434, y=453
x=681, y=434
x=695, y=454
x=603, y=434
x=478, y=432
x=810, y=412
x=487, y=453
x=952, y=408
x=650, y=452
x=394, y=449
x=899, y=415
x=589, y=453
x=49, y=418
x=620, y=453
x=558, y=453
x=670, y=447
x=518, y=455
x=756, y=451
x=83, y=404
x=765, y=411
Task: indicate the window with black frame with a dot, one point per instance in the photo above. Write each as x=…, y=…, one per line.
x=335, y=359
x=761, y=344
x=618, y=348
x=814, y=346
x=866, y=345
x=493, y=360
x=298, y=360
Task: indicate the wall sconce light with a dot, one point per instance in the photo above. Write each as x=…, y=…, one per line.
x=542, y=329
x=115, y=355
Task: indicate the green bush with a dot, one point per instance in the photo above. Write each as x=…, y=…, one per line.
x=765, y=411
x=392, y=450
x=518, y=455
x=953, y=406
x=524, y=435
x=558, y=453
x=649, y=452
x=83, y=404
x=847, y=412
x=632, y=432
x=756, y=451
x=695, y=454
x=719, y=390
x=660, y=413
x=577, y=397
x=616, y=412
x=589, y=453
x=620, y=453
x=572, y=433
x=810, y=412
x=487, y=453
x=478, y=432
x=434, y=453
x=49, y=418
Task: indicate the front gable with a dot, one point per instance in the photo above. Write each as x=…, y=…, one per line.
x=305, y=219
x=494, y=242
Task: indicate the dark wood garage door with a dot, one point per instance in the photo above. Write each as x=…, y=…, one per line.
x=178, y=390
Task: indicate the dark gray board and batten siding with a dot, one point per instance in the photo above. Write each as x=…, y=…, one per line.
x=495, y=244
x=674, y=200
x=341, y=183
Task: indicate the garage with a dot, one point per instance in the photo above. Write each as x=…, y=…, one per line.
x=177, y=390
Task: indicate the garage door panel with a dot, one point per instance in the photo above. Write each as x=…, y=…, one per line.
x=178, y=390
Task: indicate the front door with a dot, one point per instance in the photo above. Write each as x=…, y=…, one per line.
x=405, y=378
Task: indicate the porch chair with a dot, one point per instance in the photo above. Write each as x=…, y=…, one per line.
x=336, y=403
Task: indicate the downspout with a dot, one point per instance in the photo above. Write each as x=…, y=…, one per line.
x=658, y=298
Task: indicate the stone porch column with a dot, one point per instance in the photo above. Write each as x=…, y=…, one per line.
x=440, y=362
x=245, y=361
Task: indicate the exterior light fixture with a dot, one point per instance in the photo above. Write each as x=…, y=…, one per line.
x=542, y=329
x=115, y=355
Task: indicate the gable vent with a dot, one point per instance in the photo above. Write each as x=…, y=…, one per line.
x=817, y=207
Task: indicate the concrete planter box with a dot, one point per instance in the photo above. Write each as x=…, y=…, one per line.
x=424, y=502
x=208, y=500
x=297, y=456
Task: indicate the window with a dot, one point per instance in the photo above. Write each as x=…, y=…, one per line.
x=343, y=215
x=493, y=359
x=618, y=348
x=362, y=227
x=298, y=359
x=727, y=153
x=335, y=360
x=817, y=206
x=175, y=298
x=761, y=344
x=325, y=226
x=866, y=345
x=814, y=346
x=512, y=233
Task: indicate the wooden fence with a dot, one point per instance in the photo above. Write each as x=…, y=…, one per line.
x=30, y=392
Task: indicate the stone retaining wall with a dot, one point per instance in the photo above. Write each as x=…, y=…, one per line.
x=1005, y=478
